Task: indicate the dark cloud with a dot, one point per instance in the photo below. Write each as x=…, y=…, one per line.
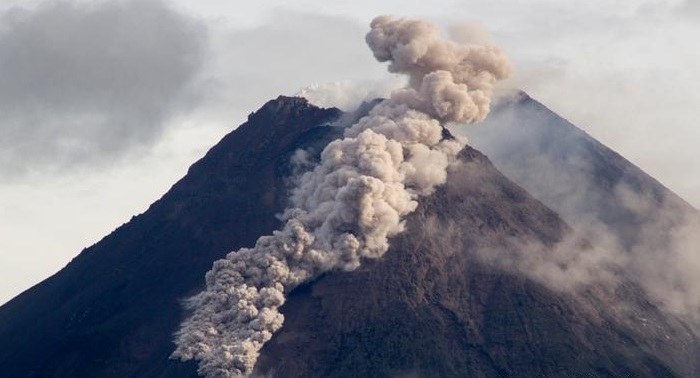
x=85, y=83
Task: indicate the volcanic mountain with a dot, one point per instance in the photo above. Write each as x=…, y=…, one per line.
x=440, y=303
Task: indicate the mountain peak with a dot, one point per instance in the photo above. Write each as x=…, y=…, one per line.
x=283, y=108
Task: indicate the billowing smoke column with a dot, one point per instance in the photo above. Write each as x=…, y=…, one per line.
x=353, y=200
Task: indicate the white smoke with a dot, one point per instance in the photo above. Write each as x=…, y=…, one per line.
x=349, y=95
x=353, y=200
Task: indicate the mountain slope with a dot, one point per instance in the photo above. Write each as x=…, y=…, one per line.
x=646, y=228
x=588, y=184
x=435, y=306
x=112, y=311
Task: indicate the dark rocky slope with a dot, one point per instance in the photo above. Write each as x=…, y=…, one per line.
x=112, y=310
x=430, y=307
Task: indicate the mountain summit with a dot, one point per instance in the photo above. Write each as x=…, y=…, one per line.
x=440, y=303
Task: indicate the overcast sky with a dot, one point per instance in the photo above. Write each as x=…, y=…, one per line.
x=104, y=104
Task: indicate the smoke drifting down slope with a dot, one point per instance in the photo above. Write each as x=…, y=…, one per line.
x=346, y=207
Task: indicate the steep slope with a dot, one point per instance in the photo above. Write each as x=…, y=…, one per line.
x=434, y=306
x=111, y=312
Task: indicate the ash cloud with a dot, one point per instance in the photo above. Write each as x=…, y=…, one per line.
x=346, y=207
x=84, y=83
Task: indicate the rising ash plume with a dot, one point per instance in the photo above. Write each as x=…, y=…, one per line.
x=353, y=200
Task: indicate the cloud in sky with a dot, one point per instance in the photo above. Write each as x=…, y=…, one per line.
x=285, y=52
x=86, y=82
x=689, y=8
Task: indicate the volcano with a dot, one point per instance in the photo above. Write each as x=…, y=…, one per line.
x=435, y=305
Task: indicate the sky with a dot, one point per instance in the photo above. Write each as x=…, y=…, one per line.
x=105, y=104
